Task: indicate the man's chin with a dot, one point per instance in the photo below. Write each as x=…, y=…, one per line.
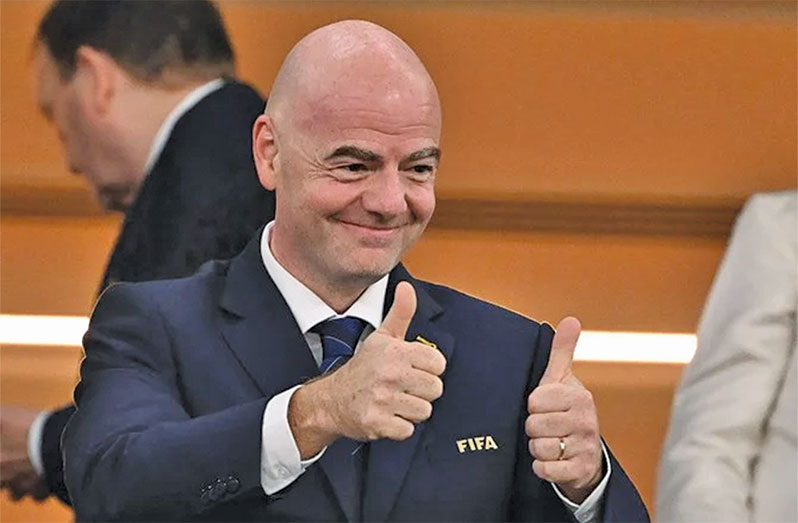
x=370, y=270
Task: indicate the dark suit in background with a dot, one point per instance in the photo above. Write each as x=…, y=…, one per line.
x=201, y=201
x=178, y=373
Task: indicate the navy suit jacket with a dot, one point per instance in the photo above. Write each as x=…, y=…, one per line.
x=178, y=372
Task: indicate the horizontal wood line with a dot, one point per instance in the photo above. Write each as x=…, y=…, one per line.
x=622, y=215
x=587, y=217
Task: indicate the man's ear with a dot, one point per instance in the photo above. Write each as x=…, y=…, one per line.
x=264, y=150
x=96, y=76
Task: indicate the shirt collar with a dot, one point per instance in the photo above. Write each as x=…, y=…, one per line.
x=308, y=309
x=189, y=101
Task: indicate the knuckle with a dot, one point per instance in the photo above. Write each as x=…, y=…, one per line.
x=441, y=363
x=589, y=428
x=389, y=374
x=437, y=388
x=534, y=447
x=426, y=410
x=383, y=396
x=405, y=432
x=542, y=468
x=370, y=419
x=528, y=426
x=533, y=403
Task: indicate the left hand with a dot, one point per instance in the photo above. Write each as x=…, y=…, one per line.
x=561, y=409
x=16, y=471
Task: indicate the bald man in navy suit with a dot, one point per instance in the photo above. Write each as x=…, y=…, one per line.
x=312, y=377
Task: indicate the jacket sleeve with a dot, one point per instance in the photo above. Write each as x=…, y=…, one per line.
x=51, y=451
x=534, y=499
x=131, y=451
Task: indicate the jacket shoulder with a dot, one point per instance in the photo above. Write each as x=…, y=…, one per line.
x=185, y=294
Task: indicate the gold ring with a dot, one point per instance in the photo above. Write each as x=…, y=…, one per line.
x=562, y=449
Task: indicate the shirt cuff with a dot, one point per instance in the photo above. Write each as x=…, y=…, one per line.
x=35, y=442
x=280, y=463
x=588, y=511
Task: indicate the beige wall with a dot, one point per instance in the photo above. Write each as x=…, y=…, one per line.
x=688, y=106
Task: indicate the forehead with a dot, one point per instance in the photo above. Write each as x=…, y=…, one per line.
x=378, y=112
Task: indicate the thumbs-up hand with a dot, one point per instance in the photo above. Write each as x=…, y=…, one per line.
x=387, y=386
x=562, y=424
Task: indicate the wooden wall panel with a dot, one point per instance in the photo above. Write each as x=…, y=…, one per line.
x=612, y=282
x=53, y=266
x=650, y=100
x=586, y=101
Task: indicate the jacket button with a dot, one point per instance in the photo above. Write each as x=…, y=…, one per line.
x=233, y=485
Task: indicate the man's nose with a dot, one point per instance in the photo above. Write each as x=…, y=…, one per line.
x=386, y=193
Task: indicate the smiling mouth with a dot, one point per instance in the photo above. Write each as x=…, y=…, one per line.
x=371, y=227
x=372, y=236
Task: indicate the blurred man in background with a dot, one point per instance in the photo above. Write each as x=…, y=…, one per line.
x=731, y=452
x=145, y=103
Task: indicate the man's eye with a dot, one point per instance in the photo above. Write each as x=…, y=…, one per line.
x=422, y=169
x=355, y=167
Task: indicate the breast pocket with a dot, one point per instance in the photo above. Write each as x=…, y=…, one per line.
x=472, y=467
x=482, y=445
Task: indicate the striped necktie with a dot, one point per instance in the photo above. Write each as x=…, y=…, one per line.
x=338, y=340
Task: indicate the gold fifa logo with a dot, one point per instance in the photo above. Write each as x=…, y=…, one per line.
x=476, y=443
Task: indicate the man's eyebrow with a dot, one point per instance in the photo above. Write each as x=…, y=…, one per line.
x=357, y=153
x=428, y=152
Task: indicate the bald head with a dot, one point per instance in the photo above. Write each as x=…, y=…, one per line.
x=347, y=62
x=350, y=143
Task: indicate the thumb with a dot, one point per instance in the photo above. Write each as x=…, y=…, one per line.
x=563, y=345
x=398, y=318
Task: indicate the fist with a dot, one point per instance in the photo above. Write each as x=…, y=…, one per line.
x=387, y=387
x=390, y=383
x=562, y=424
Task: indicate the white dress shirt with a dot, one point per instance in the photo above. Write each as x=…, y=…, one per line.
x=156, y=148
x=280, y=461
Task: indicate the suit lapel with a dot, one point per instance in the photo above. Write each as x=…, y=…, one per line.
x=259, y=327
x=389, y=461
x=261, y=331
x=340, y=467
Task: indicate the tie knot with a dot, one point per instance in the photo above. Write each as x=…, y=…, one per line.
x=346, y=330
x=338, y=339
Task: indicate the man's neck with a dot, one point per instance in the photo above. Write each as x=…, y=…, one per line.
x=339, y=294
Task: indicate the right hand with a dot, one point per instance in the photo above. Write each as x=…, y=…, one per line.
x=381, y=392
x=390, y=383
